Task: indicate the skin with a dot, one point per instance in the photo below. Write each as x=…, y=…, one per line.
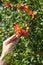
x=8, y=46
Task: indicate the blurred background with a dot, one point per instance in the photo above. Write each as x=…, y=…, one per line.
x=28, y=51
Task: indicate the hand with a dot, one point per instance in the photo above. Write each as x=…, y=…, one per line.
x=8, y=45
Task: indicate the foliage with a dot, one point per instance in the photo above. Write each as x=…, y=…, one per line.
x=28, y=51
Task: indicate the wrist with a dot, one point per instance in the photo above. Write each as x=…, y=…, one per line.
x=2, y=61
x=2, y=57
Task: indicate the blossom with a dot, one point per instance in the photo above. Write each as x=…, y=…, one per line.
x=17, y=27
x=25, y=8
x=30, y=12
x=20, y=31
x=7, y=4
x=25, y=33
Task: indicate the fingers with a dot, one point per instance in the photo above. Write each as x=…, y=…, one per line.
x=11, y=39
x=12, y=45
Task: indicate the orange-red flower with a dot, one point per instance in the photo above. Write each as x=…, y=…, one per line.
x=25, y=8
x=33, y=13
x=20, y=31
x=17, y=27
x=25, y=33
x=30, y=12
x=7, y=4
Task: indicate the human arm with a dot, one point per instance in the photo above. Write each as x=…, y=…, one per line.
x=8, y=46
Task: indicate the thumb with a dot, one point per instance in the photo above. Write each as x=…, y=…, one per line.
x=11, y=39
